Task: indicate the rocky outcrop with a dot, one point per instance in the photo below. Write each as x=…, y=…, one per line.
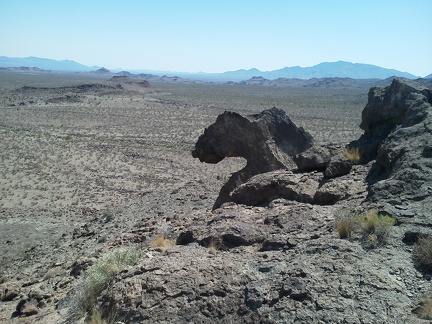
x=398, y=134
x=267, y=141
x=387, y=108
x=306, y=187
x=327, y=158
x=283, y=264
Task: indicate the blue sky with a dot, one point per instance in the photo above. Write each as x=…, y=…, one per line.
x=222, y=35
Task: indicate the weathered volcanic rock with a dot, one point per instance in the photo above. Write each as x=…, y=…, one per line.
x=267, y=141
x=288, y=267
x=27, y=307
x=387, y=108
x=265, y=187
x=401, y=178
x=337, y=166
x=315, y=158
x=307, y=187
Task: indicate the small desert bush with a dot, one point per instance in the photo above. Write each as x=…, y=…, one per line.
x=213, y=246
x=424, y=309
x=422, y=254
x=161, y=242
x=345, y=227
x=98, y=318
x=378, y=225
x=99, y=275
x=372, y=226
x=352, y=154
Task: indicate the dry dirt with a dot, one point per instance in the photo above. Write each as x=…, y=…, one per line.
x=78, y=150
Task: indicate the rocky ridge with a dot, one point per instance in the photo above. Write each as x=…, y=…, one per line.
x=283, y=261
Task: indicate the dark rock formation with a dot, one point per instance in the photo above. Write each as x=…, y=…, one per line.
x=283, y=264
x=327, y=158
x=266, y=140
x=398, y=133
x=387, y=108
x=304, y=187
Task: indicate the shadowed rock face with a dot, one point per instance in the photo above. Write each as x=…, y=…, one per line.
x=387, y=108
x=266, y=140
x=400, y=180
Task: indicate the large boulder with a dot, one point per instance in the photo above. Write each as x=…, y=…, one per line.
x=266, y=140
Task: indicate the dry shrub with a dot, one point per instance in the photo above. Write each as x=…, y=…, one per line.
x=213, y=246
x=352, y=154
x=373, y=227
x=377, y=225
x=422, y=253
x=97, y=317
x=345, y=227
x=161, y=242
x=424, y=309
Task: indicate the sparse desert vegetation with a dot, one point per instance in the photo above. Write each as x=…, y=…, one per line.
x=422, y=253
x=372, y=226
x=87, y=170
x=96, y=279
x=352, y=154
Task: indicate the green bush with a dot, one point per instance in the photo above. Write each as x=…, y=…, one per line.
x=378, y=225
x=99, y=275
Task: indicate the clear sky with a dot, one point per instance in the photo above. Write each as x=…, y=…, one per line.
x=220, y=35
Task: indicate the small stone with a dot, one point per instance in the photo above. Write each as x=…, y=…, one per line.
x=28, y=307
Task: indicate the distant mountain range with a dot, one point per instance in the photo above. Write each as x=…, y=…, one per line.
x=338, y=69
x=45, y=64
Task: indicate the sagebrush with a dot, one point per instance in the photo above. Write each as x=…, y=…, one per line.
x=422, y=253
x=424, y=308
x=99, y=275
x=373, y=227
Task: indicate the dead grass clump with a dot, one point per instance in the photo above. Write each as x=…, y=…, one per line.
x=422, y=254
x=97, y=317
x=352, y=154
x=161, y=242
x=424, y=309
x=213, y=246
x=345, y=227
x=373, y=227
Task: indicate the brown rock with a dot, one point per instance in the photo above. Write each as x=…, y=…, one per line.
x=27, y=307
x=10, y=292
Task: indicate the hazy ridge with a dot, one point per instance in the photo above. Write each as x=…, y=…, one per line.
x=338, y=69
